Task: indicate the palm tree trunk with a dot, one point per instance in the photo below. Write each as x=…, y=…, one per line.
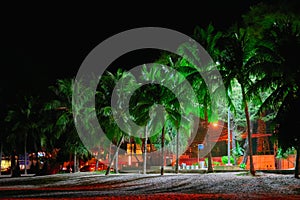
x=209, y=162
x=109, y=153
x=252, y=170
x=297, y=166
x=145, y=150
x=209, y=157
x=117, y=161
x=113, y=158
x=25, y=154
x=75, y=162
x=130, y=155
x=162, y=151
x=234, y=146
x=97, y=159
x=246, y=152
x=134, y=151
x=177, y=152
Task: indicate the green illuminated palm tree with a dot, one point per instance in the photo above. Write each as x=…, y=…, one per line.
x=237, y=62
x=114, y=134
x=208, y=38
x=145, y=113
x=64, y=126
x=189, y=68
x=173, y=118
x=104, y=110
x=141, y=109
x=158, y=96
x=140, y=106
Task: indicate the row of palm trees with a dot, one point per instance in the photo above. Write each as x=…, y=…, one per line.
x=263, y=66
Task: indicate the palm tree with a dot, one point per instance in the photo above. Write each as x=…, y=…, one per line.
x=237, y=59
x=114, y=134
x=281, y=76
x=24, y=121
x=65, y=130
x=190, y=68
x=168, y=89
x=140, y=108
x=208, y=38
x=141, y=105
x=112, y=96
x=155, y=92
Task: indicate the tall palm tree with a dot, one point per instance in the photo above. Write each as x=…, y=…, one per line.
x=208, y=38
x=281, y=76
x=112, y=97
x=140, y=107
x=64, y=128
x=24, y=122
x=237, y=60
x=167, y=90
x=190, y=68
x=238, y=115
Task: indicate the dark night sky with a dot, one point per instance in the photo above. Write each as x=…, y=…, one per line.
x=44, y=43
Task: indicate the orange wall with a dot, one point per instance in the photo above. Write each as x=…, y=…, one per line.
x=265, y=162
x=261, y=162
x=287, y=163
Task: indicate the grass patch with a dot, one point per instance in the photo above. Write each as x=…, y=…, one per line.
x=244, y=174
x=103, y=172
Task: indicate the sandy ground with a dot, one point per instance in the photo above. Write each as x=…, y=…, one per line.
x=87, y=185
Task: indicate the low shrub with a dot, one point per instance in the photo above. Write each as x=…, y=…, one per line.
x=225, y=160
